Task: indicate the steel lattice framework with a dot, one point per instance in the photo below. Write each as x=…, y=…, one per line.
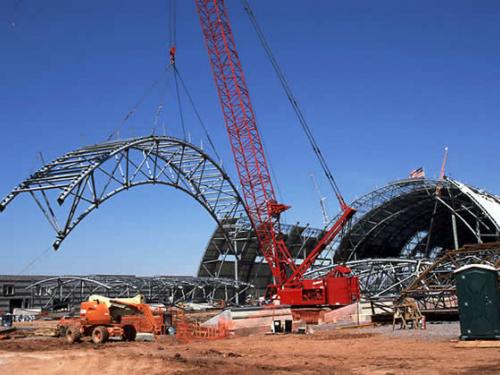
x=434, y=288
x=386, y=241
x=383, y=278
x=429, y=281
x=242, y=259
x=393, y=221
x=68, y=291
x=69, y=188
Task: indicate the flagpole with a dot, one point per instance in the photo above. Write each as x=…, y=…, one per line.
x=437, y=193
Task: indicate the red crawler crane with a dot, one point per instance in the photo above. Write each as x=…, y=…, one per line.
x=336, y=288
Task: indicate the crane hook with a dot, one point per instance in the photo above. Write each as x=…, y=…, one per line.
x=172, y=55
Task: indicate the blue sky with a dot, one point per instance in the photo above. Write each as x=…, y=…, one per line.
x=385, y=86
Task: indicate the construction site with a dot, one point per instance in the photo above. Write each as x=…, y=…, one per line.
x=403, y=278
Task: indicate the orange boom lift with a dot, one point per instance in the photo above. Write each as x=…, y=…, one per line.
x=101, y=318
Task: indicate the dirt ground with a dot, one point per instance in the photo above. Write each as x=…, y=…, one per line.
x=355, y=351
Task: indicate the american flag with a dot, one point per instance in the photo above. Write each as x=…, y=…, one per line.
x=417, y=173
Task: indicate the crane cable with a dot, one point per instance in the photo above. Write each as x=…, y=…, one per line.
x=134, y=109
x=294, y=103
x=196, y=112
x=173, y=43
x=173, y=23
x=159, y=110
x=36, y=259
x=179, y=103
x=178, y=79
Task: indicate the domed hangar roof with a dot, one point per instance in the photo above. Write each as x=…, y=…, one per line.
x=419, y=218
x=391, y=222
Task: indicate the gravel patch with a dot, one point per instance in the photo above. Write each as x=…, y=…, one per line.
x=435, y=331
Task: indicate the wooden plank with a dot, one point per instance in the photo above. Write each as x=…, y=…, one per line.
x=4, y=331
x=478, y=344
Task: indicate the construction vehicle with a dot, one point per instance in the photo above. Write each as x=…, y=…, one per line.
x=289, y=286
x=101, y=318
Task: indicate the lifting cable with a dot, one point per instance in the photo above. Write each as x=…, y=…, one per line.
x=150, y=88
x=293, y=102
x=196, y=112
x=159, y=109
x=36, y=259
x=179, y=102
x=173, y=43
x=283, y=217
x=173, y=23
x=180, y=83
x=134, y=109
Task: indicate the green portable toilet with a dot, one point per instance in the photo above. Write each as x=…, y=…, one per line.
x=478, y=302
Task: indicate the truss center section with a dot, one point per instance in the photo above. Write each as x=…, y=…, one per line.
x=69, y=188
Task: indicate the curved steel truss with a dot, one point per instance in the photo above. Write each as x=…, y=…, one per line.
x=66, y=292
x=69, y=188
x=395, y=220
x=429, y=281
x=434, y=288
x=382, y=277
x=387, y=242
x=240, y=259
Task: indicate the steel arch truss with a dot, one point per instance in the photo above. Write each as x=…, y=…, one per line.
x=434, y=288
x=393, y=221
x=66, y=292
x=429, y=281
x=67, y=189
x=382, y=279
x=242, y=260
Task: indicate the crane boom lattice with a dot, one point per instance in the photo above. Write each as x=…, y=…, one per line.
x=246, y=143
x=258, y=193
